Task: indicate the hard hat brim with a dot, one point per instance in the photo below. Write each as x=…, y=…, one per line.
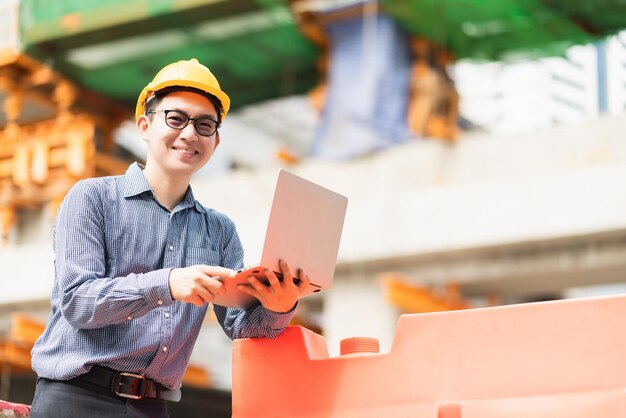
x=152, y=89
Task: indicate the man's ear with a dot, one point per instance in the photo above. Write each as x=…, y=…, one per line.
x=143, y=123
x=217, y=139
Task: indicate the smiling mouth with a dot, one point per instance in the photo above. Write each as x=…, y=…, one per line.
x=185, y=151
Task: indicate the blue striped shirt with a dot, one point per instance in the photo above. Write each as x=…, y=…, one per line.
x=111, y=304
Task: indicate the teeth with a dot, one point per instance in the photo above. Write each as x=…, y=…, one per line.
x=185, y=150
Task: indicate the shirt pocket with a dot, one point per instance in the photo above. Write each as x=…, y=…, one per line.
x=197, y=255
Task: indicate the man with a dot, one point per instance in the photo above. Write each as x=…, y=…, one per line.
x=138, y=259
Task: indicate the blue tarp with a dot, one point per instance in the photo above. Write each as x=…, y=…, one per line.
x=365, y=109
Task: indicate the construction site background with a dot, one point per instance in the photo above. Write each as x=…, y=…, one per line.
x=472, y=181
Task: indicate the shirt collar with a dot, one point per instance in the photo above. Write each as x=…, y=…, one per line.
x=190, y=202
x=134, y=183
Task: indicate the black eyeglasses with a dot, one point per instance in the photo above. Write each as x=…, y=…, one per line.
x=176, y=119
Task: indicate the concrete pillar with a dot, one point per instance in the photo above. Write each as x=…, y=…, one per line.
x=355, y=306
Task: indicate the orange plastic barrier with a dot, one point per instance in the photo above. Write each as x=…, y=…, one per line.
x=562, y=359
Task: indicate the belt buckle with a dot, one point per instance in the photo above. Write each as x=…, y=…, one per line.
x=118, y=381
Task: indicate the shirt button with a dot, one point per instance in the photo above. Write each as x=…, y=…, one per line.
x=164, y=349
x=171, y=248
x=167, y=314
x=129, y=318
x=160, y=302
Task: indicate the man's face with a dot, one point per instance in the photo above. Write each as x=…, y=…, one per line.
x=179, y=151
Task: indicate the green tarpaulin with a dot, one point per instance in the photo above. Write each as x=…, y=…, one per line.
x=256, y=49
x=509, y=29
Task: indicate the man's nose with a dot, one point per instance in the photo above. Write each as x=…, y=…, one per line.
x=189, y=132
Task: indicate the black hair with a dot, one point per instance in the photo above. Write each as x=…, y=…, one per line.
x=154, y=101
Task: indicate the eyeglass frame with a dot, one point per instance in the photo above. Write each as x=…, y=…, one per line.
x=189, y=119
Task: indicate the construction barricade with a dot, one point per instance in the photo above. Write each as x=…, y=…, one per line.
x=561, y=359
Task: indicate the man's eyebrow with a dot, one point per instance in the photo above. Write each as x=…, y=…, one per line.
x=206, y=115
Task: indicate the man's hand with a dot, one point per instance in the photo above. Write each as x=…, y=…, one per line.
x=277, y=296
x=198, y=284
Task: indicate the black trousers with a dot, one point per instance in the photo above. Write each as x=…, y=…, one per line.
x=74, y=399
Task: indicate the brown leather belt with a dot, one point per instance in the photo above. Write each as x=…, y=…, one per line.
x=129, y=385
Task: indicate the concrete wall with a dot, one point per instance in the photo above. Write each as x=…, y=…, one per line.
x=26, y=264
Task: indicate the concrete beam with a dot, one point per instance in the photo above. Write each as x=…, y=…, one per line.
x=520, y=270
x=425, y=198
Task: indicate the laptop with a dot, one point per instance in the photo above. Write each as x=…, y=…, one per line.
x=304, y=229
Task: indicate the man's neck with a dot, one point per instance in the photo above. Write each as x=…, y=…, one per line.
x=168, y=190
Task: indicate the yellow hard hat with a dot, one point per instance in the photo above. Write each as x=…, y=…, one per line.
x=184, y=74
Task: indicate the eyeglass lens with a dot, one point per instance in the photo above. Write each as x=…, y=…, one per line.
x=178, y=120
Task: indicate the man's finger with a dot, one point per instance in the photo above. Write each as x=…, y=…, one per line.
x=246, y=288
x=258, y=286
x=217, y=271
x=272, y=279
x=213, y=285
x=284, y=268
x=196, y=300
x=303, y=281
x=205, y=293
